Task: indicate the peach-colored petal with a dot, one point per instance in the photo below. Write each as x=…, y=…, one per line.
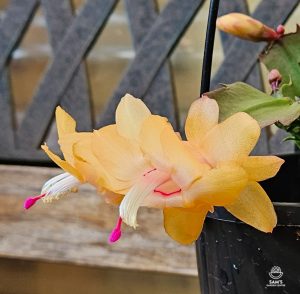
x=203, y=116
x=62, y=163
x=254, y=207
x=184, y=225
x=65, y=123
x=149, y=140
x=130, y=115
x=231, y=140
x=260, y=168
x=185, y=167
x=93, y=170
x=67, y=141
x=121, y=158
x=219, y=186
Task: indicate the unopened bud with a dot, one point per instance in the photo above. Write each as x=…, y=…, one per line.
x=275, y=79
x=246, y=27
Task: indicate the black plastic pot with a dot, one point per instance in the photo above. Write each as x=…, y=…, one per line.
x=236, y=258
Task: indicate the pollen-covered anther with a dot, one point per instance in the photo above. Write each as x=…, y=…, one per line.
x=56, y=187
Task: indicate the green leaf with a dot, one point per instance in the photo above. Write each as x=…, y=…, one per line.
x=284, y=55
x=240, y=97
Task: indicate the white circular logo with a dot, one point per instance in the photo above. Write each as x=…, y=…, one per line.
x=275, y=273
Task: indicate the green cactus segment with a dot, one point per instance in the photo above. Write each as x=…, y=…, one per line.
x=241, y=97
x=284, y=55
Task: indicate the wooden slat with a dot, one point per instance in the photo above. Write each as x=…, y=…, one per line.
x=38, y=277
x=75, y=229
x=76, y=98
x=242, y=55
x=6, y=117
x=159, y=97
x=152, y=53
x=68, y=56
x=15, y=21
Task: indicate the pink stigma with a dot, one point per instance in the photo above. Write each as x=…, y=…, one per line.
x=167, y=194
x=30, y=201
x=116, y=233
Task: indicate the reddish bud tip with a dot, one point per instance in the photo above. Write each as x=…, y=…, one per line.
x=275, y=79
x=280, y=30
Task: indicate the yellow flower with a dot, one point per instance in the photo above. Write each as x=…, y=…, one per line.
x=248, y=28
x=133, y=152
x=232, y=180
x=141, y=161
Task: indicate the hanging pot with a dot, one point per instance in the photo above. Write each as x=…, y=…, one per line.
x=236, y=258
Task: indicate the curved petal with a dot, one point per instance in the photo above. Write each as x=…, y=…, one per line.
x=219, y=186
x=203, y=115
x=65, y=123
x=184, y=225
x=150, y=142
x=121, y=158
x=62, y=163
x=130, y=115
x=185, y=167
x=233, y=139
x=67, y=142
x=260, y=168
x=93, y=171
x=254, y=207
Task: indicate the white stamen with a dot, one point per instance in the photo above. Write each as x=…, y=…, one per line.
x=138, y=193
x=58, y=186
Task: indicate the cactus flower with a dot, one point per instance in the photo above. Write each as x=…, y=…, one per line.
x=232, y=180
x=141, y=161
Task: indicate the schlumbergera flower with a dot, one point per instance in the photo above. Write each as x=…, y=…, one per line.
x=141, y=161
x=248, y=28
x=76, y=171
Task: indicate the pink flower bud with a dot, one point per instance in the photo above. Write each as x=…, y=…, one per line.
x=275, y=79
x=248, y=28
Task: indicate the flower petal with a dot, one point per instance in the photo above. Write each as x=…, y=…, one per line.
x=166, y=195
x=65, y=123
x=233, y=139
x=62, y=163
x=149, y=140
x=203, y=116
x=121, y=158
x=260, y=168
x=254, y=207
x=219, y=186
x=185, y=167
x=184, y=225
x=130, y=115
x=93, y=170
x=67, y=141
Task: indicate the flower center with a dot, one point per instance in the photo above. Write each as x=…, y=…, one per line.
x=138, y=193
